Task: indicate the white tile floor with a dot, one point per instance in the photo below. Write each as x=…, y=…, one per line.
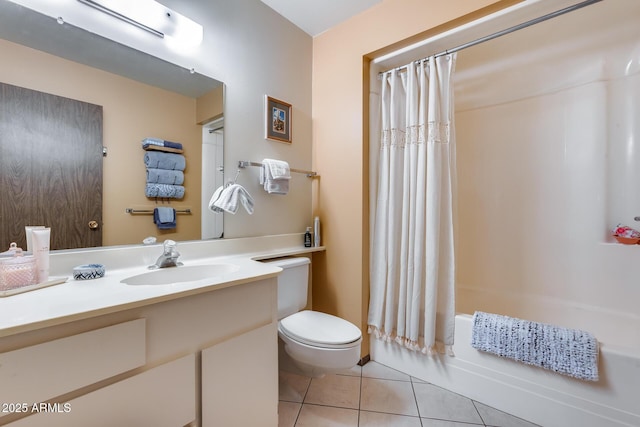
x=377, y=396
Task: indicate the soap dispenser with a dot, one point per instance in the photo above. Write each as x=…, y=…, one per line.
x=307, y=238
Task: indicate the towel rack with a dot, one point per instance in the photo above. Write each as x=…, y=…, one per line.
x=150, y=211
x=310, y=174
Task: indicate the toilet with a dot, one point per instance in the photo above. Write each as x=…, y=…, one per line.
x=311, y=343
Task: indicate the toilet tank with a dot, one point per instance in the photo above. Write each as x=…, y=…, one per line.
x=292, y=284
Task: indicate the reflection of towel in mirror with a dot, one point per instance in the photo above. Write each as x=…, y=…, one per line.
x=163, y=176
x=164, y=218
x=160, y=143
x=164, y=191
x=214, y=198
x=228, y=199
x=153, y=141
x=160, y=160
x=275, y=176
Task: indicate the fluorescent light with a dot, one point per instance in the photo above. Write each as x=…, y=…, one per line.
x=153, y=17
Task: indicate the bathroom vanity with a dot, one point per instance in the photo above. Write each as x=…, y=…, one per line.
x=105, y=353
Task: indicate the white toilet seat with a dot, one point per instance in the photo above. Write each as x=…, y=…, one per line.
x=320, y=330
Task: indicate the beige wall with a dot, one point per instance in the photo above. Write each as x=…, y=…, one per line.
x=131, y=112
x=340, y=119
x=210, y=105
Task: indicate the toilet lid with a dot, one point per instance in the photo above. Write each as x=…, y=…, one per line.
x=315, y=328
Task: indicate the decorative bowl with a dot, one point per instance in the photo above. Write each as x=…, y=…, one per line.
x=627, y=240
x=88, y=271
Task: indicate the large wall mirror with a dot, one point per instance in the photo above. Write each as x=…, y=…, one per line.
x=140, y=96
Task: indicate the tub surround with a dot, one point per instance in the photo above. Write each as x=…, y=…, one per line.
x=122, y=343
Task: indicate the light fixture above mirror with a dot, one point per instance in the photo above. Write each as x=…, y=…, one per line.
x=153, y=17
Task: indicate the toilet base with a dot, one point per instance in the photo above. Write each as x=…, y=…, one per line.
x=287, y=364
x=296, y=359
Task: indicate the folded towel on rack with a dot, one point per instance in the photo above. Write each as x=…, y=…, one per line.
x=160, y=143
x=279, y=168
x=275, y=176
x=229, y=198
x=161, y=160
x=164, y=218
x=566, y=351
x=164, y=191
x=164, y=176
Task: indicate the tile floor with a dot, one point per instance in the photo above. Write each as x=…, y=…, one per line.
x=375, y=395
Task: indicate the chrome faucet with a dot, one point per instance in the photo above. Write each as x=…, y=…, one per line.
x=169, y=257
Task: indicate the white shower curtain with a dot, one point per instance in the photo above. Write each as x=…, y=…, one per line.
x=412, y=259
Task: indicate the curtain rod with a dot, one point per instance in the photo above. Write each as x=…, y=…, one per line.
x=507, y=31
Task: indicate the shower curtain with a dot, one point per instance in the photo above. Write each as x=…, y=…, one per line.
x=412, y=255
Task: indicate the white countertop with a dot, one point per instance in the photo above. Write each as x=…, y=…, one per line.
x=82, y=299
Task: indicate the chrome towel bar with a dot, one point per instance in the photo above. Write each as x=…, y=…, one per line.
x=310, y=174
x=150, y=211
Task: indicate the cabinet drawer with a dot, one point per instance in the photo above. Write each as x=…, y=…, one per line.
x=41, y=372
x=164, y=396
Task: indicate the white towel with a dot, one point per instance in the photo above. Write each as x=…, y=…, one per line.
x=230, y=198
x=279, y=169
x=214, y=198
x=275, y=176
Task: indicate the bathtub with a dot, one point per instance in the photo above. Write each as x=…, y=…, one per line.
x=531, y=393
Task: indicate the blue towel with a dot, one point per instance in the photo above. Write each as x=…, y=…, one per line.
x=160, y=160
x=164, y=191
x=164, y=218
x=153, y=141
x=167, y=144
x=567, y=351
x=160, y=143
x=163, y=176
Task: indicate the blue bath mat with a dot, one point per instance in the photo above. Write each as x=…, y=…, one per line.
x=566, y=351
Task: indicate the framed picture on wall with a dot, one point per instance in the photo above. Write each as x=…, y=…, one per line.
x=278, y=120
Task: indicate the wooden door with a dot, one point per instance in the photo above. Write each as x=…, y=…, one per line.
x=50, y=168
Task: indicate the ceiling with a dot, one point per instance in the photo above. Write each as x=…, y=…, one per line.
x=315, y=17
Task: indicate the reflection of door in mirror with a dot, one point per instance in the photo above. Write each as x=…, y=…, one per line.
x=50, y=168
x=212, y=176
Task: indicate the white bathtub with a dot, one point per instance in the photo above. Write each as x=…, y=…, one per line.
x=531, y=393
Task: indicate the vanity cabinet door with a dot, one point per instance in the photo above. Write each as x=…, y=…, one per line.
x=240, y=380
x=164, y=396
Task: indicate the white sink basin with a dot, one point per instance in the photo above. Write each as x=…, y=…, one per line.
x=182, y=274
